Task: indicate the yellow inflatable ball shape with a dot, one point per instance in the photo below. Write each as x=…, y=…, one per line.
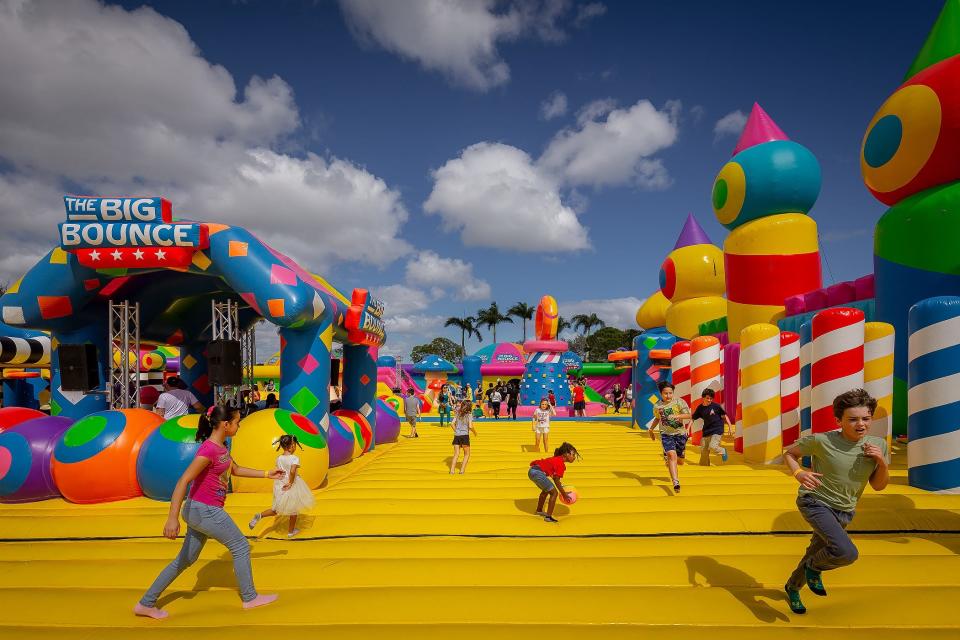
x=685, y=317
x=254, y=447
x=653, y=312
x=693, y=271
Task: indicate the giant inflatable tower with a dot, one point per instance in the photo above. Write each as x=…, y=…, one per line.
x=910, y=160
x=763, y=196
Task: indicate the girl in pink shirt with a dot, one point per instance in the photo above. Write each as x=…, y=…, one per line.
x=204, y=514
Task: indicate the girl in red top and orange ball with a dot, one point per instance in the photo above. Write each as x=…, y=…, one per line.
x=546, y=474
x=204, y=514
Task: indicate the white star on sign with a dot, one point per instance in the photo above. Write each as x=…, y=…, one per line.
x=138, y=254
x=94, y=255
x=161, y=254
x=116, y=254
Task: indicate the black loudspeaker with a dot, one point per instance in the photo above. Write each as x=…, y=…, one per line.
x=78, y=367
x=335, y=372
x=224, y=366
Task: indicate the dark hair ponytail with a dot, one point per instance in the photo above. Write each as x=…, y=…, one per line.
x=566, y=448
x=209, y=420
x=283, y=442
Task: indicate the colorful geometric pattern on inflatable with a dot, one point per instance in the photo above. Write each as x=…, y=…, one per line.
x=26, y=451
x=96, y=459
x=254, y=446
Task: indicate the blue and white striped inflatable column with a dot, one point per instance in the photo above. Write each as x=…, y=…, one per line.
x=806, y=361
x=933, y=394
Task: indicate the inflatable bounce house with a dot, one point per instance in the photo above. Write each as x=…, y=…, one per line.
x=781, y=346
x=131, y=249
x=534, y=368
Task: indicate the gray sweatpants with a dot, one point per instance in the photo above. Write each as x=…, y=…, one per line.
x=205, y=521
x=708, y=444
x=831, y=546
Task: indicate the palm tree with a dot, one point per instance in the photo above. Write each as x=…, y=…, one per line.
x=523, y=311
x=491, y=317
x=588, y=322
x=467, y=328
x=562, y=325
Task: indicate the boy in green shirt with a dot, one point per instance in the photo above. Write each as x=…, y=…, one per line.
x=843, y=462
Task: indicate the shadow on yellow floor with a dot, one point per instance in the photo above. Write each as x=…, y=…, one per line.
x=529, y=505
x=216, y=574
x=645, y=481
x=740, y=584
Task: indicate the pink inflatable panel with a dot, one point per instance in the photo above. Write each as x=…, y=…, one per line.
x=815, y=300
x=864, y=287
x=840, y=294
x=795, y=305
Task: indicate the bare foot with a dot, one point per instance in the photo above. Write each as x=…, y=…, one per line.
x=150, y=612
x=261, y=600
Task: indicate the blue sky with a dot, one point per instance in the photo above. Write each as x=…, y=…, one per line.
x=437, y=127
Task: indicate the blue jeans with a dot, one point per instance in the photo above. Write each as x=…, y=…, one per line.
x=542, y=480
x=204, y=521
x=830, y=547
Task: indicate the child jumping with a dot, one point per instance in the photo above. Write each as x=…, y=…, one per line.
x=714, y=418
x=670, y=413
x=546, y=475
x=462, y=426
x=843, y=462
x=206, y=479
x=541, y=424
x=291, y=495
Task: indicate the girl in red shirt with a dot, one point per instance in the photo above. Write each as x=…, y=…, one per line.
x=546, y=475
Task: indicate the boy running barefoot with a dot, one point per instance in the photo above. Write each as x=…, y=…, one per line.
x=843, y=462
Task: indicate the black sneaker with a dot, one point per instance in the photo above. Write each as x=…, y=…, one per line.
x=814, y=581
x=550, y=519
x=676, y=488
x=793, y=597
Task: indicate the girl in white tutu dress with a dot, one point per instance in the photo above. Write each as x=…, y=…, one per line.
x=291, y=495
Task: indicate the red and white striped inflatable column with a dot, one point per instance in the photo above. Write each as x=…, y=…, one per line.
x=790, y=386
x=705, y=373
x=836, y=362
x=680, y=370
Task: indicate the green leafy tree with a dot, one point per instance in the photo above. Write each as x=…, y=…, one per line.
x=491, y=317
x=443, y=347
x=600, y=343
x=562, y=325
x=523, y=311
x=467, y=326
x=587, y=322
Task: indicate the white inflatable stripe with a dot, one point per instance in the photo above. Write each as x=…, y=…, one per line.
x=878, y=348
x=838, y=341
x=23, y=351
x=757, y=393
x=934, y=449
x=933, y=338
x=805, y=354
x=822, y=395
x=790, y=352
x=763, y=350
x=936, y=393
x=789, y=385
x=879, y=388
x=763, y=432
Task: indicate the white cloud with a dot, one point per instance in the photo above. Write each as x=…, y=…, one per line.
x=414, y=323
x=497, y=197
x=428, y=269
x=399, y=299
x=554, y=106
x=596, y=109
x=730, y=125
x=458, y=38
x=616, y=312
x=587, y=12
x=697, y=112
x=616, y=150
x=114, y=101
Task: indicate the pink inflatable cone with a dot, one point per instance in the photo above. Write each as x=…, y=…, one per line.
x=760, y=128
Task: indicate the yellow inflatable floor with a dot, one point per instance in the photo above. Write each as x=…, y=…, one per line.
x=398, y=548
